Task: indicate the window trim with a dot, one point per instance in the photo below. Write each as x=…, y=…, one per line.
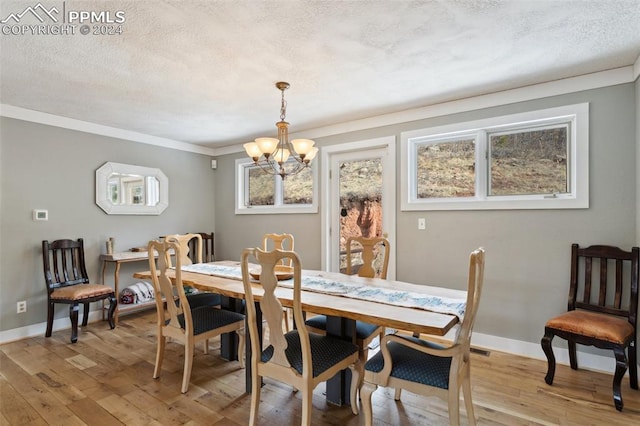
x=576, y=198
x=242, y=189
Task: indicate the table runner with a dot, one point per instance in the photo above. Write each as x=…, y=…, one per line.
x=320, y=284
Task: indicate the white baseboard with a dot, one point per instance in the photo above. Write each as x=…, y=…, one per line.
x=587, y=361
x=34, y=330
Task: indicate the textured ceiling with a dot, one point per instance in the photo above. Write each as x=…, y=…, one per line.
x=204, y=71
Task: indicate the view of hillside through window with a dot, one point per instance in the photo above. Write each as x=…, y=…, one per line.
x=522, y=162
x=446, y=169
x=297, y=189
x=529, y=162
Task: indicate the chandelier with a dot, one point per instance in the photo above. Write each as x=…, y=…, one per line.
x=279, y=156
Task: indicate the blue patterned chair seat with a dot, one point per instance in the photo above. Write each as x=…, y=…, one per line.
x=414, y=366
x=197, y=300
x=325, y=351
x=363, y=329
x=206, y=318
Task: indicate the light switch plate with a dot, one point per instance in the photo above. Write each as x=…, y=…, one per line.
x=40, y=215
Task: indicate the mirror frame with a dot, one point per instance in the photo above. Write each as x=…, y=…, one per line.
x=109, y=168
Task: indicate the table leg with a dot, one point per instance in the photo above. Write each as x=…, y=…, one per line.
x=116, y=280
x=229, y=341
x=338, y=387
x=104, y=270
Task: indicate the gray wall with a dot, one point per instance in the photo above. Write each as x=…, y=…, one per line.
x=527, y=264
x=45, y=167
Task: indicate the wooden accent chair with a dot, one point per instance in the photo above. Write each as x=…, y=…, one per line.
x=297, y=357
x=207, y=248
x=365, y=333
x=280, y=242
x=67, y=282
x=423, y=367
x=180, y=321
x=596, y=319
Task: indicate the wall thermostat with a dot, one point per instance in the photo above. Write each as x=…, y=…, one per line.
x=40, y=215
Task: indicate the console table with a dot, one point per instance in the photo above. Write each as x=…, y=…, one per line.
x=118, y=259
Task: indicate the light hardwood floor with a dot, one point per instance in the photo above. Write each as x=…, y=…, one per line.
x=105, y=379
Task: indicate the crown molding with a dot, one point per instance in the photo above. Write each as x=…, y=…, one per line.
x=98, y=129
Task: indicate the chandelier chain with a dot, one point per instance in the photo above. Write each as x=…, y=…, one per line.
x=283, y=108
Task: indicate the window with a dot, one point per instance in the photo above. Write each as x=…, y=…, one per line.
x=258, y=192
x=534, y=160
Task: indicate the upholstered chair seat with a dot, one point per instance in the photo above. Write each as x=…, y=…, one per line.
x=594, y=325
x=414, y=366
x=325, y=351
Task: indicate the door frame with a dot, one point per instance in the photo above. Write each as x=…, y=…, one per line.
x=389, y=198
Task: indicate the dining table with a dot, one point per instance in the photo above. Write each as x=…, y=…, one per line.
x=344, y=299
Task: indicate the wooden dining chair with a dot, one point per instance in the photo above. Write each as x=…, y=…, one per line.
x=365, y=332
x=369, y=248
x=67, y=281
x=180, y=321
x=423, y=367
x=298, y=358
x=596, y=314
x=280, y=242
x=191, y=251
x=190, y=247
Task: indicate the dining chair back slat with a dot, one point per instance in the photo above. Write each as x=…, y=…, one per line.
x=279, y=242
x=369, y=249
x=190, y=247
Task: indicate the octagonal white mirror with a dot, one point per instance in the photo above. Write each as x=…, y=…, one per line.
x=128, y=189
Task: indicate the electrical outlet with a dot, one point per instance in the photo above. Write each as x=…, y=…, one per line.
x=22, y=306
x=422, y=223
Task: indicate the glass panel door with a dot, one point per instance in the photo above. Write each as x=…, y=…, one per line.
x=360, y=199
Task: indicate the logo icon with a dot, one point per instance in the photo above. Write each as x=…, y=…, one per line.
x=39, y=11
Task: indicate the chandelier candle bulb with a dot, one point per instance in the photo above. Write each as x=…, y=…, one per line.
x=302, y=146
x=282, y=155
x=311, y=155
x=252, y=150
x=267, y=145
